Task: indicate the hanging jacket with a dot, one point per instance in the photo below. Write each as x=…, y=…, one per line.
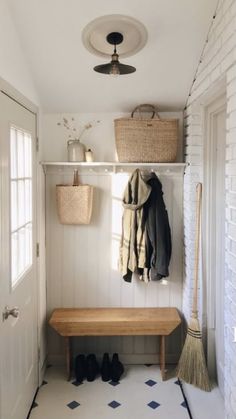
x=158, y=234
x=132, y=246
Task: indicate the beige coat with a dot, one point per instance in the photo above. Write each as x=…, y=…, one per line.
x=132, y=246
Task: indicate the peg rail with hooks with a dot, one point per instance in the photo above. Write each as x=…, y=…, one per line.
x=113, y=167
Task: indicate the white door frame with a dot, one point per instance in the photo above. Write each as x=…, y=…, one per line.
x=214, y=103
x=14, y=94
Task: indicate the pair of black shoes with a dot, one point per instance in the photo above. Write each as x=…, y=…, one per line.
x=86, y=367
x=111, y=370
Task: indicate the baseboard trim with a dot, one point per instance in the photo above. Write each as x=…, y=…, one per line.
x=134, y=359
x=42, y=370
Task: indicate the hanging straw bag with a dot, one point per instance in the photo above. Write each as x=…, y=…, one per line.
x=146, y=140
x=74, y=203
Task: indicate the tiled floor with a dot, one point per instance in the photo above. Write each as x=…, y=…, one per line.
x=140, y=394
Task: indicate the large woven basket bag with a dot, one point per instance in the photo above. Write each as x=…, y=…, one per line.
x=74, y=203
x=142, y=139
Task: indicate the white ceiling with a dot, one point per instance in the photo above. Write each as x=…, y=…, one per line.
x=50, y=33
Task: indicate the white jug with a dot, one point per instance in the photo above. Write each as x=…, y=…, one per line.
x=76, y=150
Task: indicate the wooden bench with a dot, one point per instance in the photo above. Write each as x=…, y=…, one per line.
x=69, y=322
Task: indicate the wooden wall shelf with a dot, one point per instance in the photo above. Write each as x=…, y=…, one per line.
x=113, y=167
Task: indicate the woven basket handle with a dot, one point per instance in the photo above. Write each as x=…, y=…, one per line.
x=146, y=107
x=76, y=178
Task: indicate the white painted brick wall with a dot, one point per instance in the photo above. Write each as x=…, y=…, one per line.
x=218, y=61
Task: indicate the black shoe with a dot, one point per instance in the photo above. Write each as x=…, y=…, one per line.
x=106, y=368
x=80, y=368
x=92, y=367
x=117, y=368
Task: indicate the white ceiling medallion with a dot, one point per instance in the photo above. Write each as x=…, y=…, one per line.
x=95, y=33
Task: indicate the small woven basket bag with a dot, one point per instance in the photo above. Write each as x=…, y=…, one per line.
x=74, y=202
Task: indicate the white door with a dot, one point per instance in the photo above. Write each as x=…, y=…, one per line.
x=18, y=303
x=214, y=167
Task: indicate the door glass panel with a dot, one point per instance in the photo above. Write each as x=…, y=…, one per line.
x=20, y=153
x=13, y=207
x=13, y=154
x=21, y=203
x=28, y=155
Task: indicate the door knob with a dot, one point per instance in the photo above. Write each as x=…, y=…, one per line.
x=14, y=312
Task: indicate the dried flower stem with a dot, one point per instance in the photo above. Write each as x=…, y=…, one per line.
x=74, y=131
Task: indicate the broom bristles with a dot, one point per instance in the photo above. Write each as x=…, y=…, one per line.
x=192, y=364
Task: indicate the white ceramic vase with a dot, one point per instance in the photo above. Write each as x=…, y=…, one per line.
x=76, y=150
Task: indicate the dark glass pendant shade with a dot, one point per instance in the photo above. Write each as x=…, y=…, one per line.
x=115, y=67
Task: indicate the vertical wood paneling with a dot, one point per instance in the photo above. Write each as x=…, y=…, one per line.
x=82, y=262
x=53, y=258
x=103, y=244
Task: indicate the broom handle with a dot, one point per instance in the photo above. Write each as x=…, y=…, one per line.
x=196, y=257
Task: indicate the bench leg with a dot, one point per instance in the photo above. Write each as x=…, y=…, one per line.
x=68, y=358
x=162, y=357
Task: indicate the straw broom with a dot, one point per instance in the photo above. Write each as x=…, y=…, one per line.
x=192, y=364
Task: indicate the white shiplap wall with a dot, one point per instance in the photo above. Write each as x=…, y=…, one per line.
x=218, y=65
x=82, y=264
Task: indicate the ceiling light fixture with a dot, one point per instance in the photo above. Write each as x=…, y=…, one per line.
x=115, y=68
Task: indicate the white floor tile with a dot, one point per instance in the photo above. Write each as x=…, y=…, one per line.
x=132, y=394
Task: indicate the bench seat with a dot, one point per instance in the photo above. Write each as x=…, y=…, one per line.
x=132, y=321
